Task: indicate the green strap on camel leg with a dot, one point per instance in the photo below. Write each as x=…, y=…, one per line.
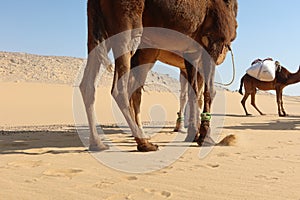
x=179, y=118
x=205, y=116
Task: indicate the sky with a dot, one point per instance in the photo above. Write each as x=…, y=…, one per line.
x=267, y=28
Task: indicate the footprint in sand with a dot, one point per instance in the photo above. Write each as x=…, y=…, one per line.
x=162, y=172
x=103, y=184
x=34, y=180
x=223, y=154
x=25, y=163
x=268, y=178
x=66, y=173
x=280, y=172
x=271, y=148
x=165, y=194
x=213, y=165
x=197, y=166
x=120, y=196
x=131, y=178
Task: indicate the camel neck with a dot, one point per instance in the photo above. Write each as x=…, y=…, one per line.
x=294, y=78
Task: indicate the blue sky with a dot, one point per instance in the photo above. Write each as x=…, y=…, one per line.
x=267, y=28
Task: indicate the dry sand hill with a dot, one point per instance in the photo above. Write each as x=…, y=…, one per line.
x=42, y=156
x=23, y=67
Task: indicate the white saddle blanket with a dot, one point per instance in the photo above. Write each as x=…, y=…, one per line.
x=263, y=71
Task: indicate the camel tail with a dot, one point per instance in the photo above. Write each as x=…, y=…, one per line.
x=241, y=85
x=96, y=26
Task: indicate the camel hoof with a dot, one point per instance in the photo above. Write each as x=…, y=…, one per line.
x=200, y=140
x=248, y=114
x=180, y=130
x=206, y=141
x=143, y=145
x=147, y=147
x=98, y=147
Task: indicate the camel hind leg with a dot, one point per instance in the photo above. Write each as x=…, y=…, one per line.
x=243, y=102
x=193, y=96
x=253, y=103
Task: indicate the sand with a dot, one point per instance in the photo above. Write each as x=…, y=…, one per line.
x=42, y=156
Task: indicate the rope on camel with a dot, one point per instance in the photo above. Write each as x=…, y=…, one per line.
x=233, y=70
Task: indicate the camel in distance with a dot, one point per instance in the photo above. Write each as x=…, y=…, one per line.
x=282, y=79
x=200, y=31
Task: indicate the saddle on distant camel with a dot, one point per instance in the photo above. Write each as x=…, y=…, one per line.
x=263, y=70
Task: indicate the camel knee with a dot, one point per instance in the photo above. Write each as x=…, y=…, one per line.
x=88, y=92
x=183, y=101
x=279, y=103
x=121, y=97
x=136, y=40
x=200, y=100
x=136, y=99
x=243, y=102
x=137, y=93
x=183, y=96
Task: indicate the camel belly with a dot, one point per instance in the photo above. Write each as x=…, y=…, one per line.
x=171, y=59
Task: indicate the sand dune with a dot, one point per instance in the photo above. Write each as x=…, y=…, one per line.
x=43, y=154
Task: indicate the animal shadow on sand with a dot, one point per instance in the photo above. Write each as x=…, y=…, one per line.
x=229, y=115
x=53, y=139
x=291, y=123
x=31, y=141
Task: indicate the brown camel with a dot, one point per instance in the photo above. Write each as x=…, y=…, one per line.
x=283, y=78
x=210, y=23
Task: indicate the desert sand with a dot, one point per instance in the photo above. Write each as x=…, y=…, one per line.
x=43, y=156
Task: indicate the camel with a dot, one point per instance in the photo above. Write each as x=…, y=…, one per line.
x=283, y=78
x=121, y=26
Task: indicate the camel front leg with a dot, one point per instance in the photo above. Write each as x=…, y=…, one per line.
x=281, y=111
x=200, y=96
x=87, y=89
x=179, y=127
x=205, y=118
x=193, y=96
